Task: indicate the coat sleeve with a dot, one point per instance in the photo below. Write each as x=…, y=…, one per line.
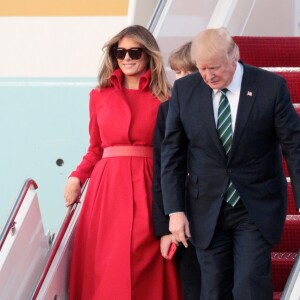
x=94, y=153
x=174, y=158
x=160, y=220
x=287, y=125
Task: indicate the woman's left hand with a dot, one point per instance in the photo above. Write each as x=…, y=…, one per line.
x=165, y=243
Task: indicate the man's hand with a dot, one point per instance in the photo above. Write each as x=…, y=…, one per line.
x=179, y=226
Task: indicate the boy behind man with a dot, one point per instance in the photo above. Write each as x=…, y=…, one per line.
x=181, y=63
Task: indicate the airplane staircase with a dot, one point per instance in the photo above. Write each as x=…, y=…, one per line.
x=281, y=55
x=33, y=263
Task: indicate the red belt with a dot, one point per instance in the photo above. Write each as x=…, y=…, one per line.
x=141, y=151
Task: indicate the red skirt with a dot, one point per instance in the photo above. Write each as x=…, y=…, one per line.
x=116, y=255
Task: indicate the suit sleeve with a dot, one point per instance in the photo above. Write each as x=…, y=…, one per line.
x=174, y=158
x=94, y=153
x=160, y=220
x=287, y=125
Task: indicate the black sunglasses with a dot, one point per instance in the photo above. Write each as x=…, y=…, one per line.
x=134, y=53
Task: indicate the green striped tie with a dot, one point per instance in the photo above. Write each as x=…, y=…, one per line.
x=224, y=128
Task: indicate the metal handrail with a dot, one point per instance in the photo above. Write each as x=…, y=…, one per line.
x=156, y=15
x=10, y=223
x=57, y=243
x=295, y=271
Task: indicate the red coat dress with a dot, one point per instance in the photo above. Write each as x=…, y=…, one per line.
x=115, y=254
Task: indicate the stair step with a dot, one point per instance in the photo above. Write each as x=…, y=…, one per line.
x=282, y=263
x=290, y=240
x=276, y=295
x=293, y=83
x=262, y=51
x=297, y=108
x=291, y=209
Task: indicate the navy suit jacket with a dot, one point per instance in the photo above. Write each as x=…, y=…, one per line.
x=266, y=123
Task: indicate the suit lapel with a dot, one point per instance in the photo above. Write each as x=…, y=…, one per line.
x=246, y=101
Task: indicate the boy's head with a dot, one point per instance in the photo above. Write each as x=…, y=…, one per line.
x=180, y=61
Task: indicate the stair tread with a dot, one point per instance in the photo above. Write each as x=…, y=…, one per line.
x=282, y=263
x=284, y=255
x=269, y=51
x=276, y=295
x=293, y=83
x=291, y=209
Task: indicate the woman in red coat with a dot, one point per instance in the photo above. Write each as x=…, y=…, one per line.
x=116, y=255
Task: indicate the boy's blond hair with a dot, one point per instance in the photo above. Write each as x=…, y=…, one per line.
x=180, y=59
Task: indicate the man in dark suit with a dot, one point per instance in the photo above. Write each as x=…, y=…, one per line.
x=228, y=126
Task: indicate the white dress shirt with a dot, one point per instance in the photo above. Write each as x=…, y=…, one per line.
x=233, y=95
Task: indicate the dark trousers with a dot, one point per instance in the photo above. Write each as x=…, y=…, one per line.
x=237, y=264
x=189, y=270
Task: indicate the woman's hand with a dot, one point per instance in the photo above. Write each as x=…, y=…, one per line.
x=165, y=243
x=72, y=191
